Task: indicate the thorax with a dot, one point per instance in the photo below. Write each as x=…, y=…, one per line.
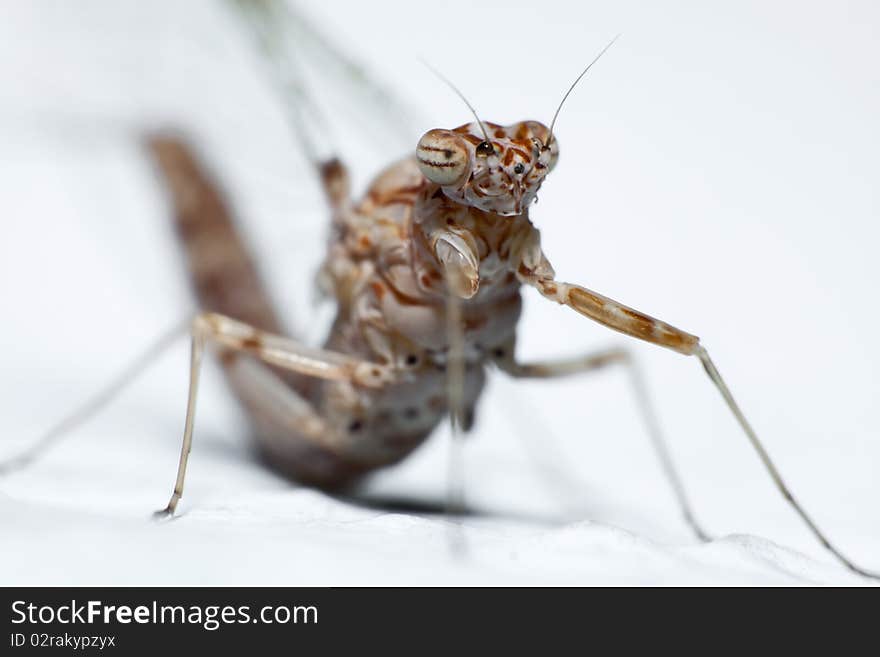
x=390, y=284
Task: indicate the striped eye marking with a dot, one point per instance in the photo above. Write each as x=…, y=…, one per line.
x=443, y=157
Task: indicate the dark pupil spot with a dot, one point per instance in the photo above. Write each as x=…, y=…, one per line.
x=485, y=149
x=412, y=359
x=498, y=352
x=519, y=168
x=356, y=425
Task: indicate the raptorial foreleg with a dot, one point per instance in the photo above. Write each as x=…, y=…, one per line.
x=631, y=322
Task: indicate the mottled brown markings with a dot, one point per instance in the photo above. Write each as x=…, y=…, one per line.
x=224, y=273
x=335, y=181
x=636, y=324
x=397, y=200
x=401, y=298
x=447, y=153
x=252, y=343
x=355, y=421
x=332, y=169
x=580, y=297
x=434, y=163
x=604, y=310
x=635, y=316
x=394, y=195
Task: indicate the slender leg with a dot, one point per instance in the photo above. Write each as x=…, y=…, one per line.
x=631, y=322
x=101, y=399
x=455, y=372
x=272, y=349
x=197, y=350
x=713, y=373
x=600, y=360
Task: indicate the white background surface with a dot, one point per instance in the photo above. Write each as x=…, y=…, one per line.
x=719, y=170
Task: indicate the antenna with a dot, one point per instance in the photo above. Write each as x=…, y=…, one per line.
x=460, y=95
x=574, y=84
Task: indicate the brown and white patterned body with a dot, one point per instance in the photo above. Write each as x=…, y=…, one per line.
x=453, y=221
x=385, y=268
x=451, y=224
x=426, y=271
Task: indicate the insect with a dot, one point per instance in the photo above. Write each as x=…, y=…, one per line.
x=427, y=271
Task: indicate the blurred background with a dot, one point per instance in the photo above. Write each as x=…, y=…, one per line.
x=719, y=169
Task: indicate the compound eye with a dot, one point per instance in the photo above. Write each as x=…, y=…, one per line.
x=549, y=155
x=485, y=149
x=443, y=158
